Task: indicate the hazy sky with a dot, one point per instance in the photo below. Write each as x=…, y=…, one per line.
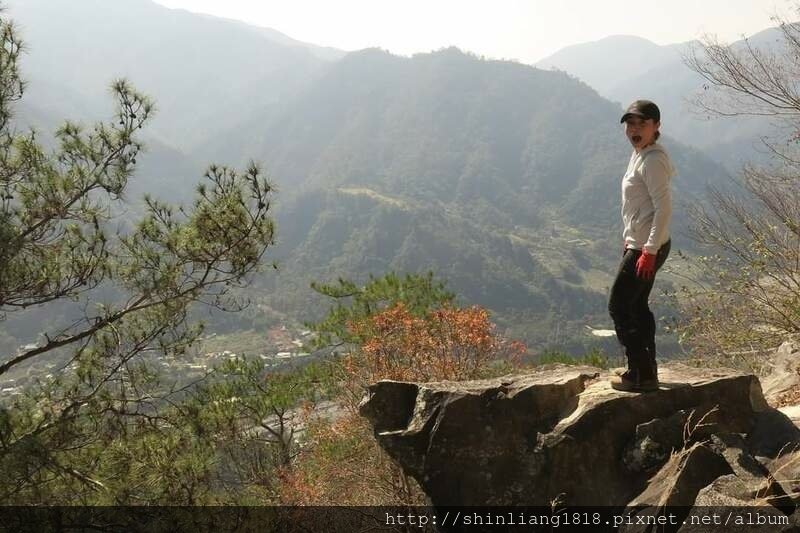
x=526, y=30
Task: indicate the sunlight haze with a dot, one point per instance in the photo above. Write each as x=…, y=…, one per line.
x=526, y=31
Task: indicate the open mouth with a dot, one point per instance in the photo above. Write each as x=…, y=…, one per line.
x=636, y=139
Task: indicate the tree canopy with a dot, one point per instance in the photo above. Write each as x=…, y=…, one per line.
x=128, y=283
x=751, y=232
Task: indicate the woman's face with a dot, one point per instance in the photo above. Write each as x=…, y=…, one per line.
x=640, y=131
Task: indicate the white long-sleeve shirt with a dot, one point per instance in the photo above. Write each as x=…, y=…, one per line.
x=647, y=199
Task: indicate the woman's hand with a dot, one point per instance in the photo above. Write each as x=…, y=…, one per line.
x=646, y=266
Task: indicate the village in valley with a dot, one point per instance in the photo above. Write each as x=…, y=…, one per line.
x=278, y=346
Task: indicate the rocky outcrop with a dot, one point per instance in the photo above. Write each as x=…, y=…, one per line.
x=562, y=434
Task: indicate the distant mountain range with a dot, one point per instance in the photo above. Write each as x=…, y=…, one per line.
x=625, y=68
x=501, y=177
x=207, y=74
x=609, y=64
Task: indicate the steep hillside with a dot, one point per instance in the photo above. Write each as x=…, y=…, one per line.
x=500, y=177
x=206, y=74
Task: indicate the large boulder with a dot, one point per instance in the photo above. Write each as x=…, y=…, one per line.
x=562, y=434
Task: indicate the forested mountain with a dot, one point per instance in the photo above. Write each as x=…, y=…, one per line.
x=625, y=68
x=500, y=177
x=388, y=189
x=607, y=64
x=207, y=74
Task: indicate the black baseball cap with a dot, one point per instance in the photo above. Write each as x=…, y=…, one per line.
x=642, y=108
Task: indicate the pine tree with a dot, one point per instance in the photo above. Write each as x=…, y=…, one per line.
x=133, y=287
x=419, y=292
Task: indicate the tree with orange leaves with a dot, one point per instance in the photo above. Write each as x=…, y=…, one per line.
x=341, y=463
x=448, y=343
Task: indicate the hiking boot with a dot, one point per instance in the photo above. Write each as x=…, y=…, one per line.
x=629, y=381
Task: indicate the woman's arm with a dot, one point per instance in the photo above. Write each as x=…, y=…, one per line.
x=656, y=173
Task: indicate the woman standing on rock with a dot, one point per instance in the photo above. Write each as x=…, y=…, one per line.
x=646, y=214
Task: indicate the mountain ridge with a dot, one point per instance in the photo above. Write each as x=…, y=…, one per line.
x=657, y=72
x=171, y=55
x=502, y=178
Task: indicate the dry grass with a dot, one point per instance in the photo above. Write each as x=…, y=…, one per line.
x=790, y=397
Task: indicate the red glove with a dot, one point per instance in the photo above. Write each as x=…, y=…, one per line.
x=646, y=266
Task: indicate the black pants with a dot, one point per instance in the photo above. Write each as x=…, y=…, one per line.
x=633, y=321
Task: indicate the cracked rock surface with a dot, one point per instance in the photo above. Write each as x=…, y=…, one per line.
x=563, y=434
